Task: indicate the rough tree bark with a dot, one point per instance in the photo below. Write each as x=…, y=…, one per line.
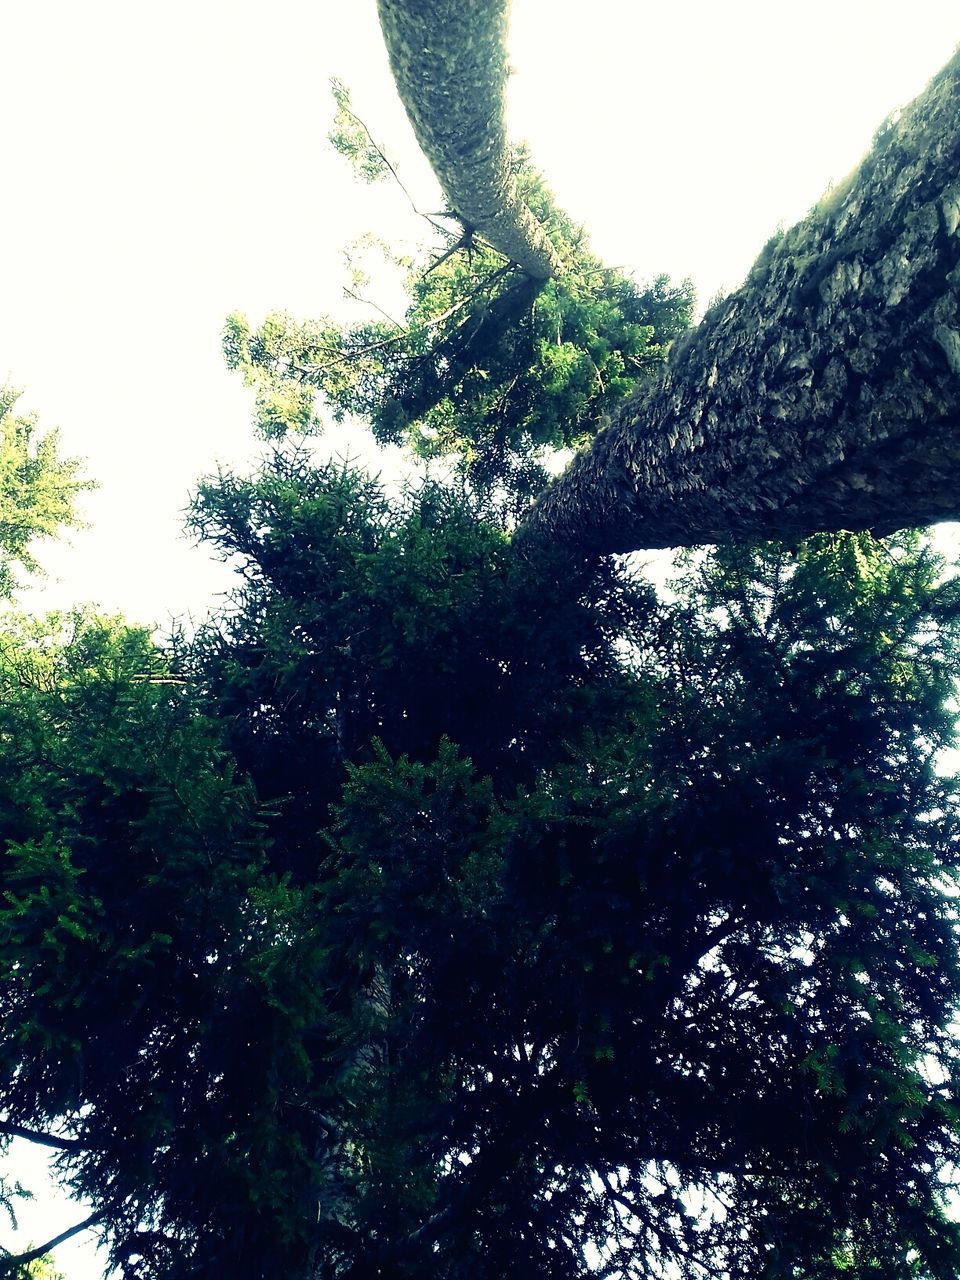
x=823, y=394
x=449, y=62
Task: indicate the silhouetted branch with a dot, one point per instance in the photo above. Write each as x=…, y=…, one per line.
x=43, y=1139
x=9, y=1264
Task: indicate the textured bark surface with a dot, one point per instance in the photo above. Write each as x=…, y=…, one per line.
x=823, y=394
x=448, y=59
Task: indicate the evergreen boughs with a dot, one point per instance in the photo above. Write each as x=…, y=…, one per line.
x=564, y=919
x=642, y=908
x=488, y=367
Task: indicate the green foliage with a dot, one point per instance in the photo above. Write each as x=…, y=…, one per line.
x=40, y=1269
x=661, y=954
x=444, y=909
x=12, y=1191
x=408, y=621
x=488, y=366
x=351, y=139
x=141, y=1013
x=38, y=489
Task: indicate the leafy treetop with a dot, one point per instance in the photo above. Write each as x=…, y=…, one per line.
x=38, y=489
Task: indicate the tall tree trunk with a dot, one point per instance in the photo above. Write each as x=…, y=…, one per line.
x=823, y=394
x=448, y=59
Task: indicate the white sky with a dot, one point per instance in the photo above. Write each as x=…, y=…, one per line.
x=167, y=164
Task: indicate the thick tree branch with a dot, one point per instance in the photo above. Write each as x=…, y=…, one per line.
x=449, y=63
x=823, y=394
x=42, y=1139
x=10, y=1264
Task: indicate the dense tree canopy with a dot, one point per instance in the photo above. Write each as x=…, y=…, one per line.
x=442, y=912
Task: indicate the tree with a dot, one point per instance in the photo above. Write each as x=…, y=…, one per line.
x=628, y=923
x=487, y=369
x=823, y=394
x=461, y=132
x=147, y=1037
x=453, y=907
x=533, y=914
x=44, y=1269
x=37, y=1263
x=38, y=489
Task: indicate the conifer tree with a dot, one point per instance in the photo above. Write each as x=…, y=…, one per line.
x=450, y=907
x=441, y=911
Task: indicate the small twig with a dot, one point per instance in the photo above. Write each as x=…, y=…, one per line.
x=368, y=302
x=344, y=357
x=386, y=160
x=146, y=678
x=465, y=241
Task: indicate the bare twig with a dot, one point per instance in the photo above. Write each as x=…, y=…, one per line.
x=368, y=302
x=463, y=243
x=341, y=103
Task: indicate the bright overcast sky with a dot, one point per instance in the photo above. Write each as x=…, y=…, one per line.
x=166, y=164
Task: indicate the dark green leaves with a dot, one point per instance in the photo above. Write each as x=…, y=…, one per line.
x=457, y=909
x=452, y=907
x=614, y=894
